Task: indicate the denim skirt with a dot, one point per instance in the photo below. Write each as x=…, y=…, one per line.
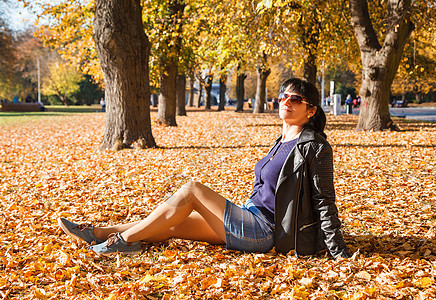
x=247, y=229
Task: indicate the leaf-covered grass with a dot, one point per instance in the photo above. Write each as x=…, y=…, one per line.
x=385, y=186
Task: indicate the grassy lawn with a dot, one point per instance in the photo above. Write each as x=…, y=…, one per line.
x=74, y=109
x=13, y=118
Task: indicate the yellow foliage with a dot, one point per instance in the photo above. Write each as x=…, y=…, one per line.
x=63, y=80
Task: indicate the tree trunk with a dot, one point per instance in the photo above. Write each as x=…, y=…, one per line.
x=262, y=76
x=155, y=99
x=223, y=79
x=167, y=93
x=309, y=69
x=123, y=50
x=200, y=92
x=208, y=89
x=191, y=92
x=418, y=98
x=181, y=95
x=169, y=64
x=379, y=63
x=309, y=31
x=240, y=90
x=64, y=99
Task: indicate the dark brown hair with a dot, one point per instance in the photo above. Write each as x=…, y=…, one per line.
x=310, y=94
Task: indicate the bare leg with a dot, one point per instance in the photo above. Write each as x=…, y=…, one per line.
x=175, y=218
x=189, y=230
x=102, y=233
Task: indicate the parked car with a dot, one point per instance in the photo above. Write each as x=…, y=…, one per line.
x=399, y=103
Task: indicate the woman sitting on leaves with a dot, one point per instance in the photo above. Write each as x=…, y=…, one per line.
x=292, y=205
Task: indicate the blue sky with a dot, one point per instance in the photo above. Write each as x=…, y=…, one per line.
x=16, y=16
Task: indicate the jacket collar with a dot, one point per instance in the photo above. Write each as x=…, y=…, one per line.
x=307, y=135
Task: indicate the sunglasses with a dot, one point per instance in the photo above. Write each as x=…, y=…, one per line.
x=294, y=99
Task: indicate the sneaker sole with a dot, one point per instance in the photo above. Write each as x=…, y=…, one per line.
x=122, y=253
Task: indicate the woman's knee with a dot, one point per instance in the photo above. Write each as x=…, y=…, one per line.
x=192, y=186
x=185, y=195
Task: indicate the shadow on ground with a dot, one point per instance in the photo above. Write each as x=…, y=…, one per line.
x=351, y=145
x=413, y=247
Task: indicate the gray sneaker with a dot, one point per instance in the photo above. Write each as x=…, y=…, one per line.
x=114, y=244
x=79, y=231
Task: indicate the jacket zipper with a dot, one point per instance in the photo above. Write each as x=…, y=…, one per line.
x=308, y=225
x=296, y=221
x=296, y=212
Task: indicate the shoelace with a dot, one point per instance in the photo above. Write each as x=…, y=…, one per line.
x=112, y=239
x=84, y=226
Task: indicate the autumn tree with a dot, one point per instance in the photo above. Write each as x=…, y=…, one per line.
x=391, y=22
x=181, y=95
x=379, y=61
x=28, y=51
x=245, y=42
x=19, y=51
x=234, y=35
x=303, y=20
x=279, y=73
x=187, y=32
x=416, y=73
x=191, y=90
x=62, y=81
x=257, y=30
x=203, y=20
x=222, y=90
x=208, y=89
x=292, y=33
x=233, y=44
x=19, y=56
x=262, y=71
x=59, y=79
x=321, y=32
x=310, y=33
x=7, y=57
x=67, y=27
x=240, y=88
x=199, y=97
x=209, y=29
x=123, y=50
x=164, y=23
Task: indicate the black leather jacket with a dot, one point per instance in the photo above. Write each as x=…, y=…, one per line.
x=306, y=216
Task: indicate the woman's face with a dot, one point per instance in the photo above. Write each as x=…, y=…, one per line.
x=294, y=112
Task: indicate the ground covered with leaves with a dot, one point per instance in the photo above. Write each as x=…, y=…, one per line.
x=50, y=167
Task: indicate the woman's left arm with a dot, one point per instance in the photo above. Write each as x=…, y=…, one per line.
x=323, y=199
